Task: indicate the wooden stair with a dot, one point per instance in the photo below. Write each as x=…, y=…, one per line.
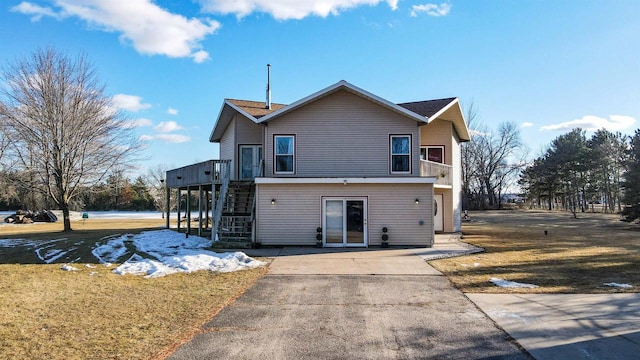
x=235, y=229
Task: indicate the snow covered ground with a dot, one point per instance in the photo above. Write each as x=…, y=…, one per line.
x=164, y=252
x=152, y=253
x=511, y=284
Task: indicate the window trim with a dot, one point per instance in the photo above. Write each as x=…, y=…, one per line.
x=275, y=154
x=391, y=154
x=427, y=147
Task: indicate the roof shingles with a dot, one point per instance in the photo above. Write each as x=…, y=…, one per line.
x=427, y=108
x=257, y=109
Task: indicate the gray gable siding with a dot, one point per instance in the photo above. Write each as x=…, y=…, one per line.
x=342, y=135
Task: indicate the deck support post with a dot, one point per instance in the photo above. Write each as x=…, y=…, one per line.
x=200, y=210
x=179, y=209
x=188, y=211
x=167, y=195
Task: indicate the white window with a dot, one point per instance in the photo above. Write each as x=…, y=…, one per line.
x=400, y=151
x=284, y=154
x=432, y=153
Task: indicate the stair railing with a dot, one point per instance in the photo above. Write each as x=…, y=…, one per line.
x=253, y=205
x=225, y=177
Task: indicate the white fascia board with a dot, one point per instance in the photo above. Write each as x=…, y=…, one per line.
x=215, y=126
x=348, y=180
x=353, y=88
x=234, y=107
x=225, y=124
x=438, y=186
x=464, y=134
x=441, y=111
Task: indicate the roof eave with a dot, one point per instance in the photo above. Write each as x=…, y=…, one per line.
x=461, y=123
x=222, y=122
x=336, y=87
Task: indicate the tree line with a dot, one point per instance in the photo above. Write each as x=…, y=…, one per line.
x=577, y=173
x=117, y=192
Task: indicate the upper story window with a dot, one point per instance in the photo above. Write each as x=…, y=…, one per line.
x=284, y=154
x=432, y=153
x=400, y=152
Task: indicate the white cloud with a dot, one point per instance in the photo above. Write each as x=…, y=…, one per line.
x=129, y=102
x=149, y=28
x=146, y=137
x=526, y=124
x=167, y=127
x=36, y=11
x=200, y=56
x=288, y=9
x=592, y=123
x=139, y=123
x=172, y=111
x=173, y=138
x=431, y=9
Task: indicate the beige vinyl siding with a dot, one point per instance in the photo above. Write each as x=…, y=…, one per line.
x=340, y=135
x=438, y=132
x=240, y=131
x=447, y=211
x=247, y=132
x=297, y=212
x=457, y=183
x=228, y=145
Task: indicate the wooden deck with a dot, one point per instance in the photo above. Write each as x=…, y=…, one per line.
x=206, y=173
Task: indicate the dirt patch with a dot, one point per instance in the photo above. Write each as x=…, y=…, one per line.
x=574, y=256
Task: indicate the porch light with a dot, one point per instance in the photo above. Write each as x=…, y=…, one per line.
x=207, y=172
x=179, y=177
x=273, y=201
x=417, y=201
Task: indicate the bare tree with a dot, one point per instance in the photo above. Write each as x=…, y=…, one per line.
x=490, y=162
x=155, y=180
x=65, y=134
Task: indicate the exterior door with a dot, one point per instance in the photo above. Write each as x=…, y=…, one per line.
x=438, y=218
x=344, y=222
x=250, y=158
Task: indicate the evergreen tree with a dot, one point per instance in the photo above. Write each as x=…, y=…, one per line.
x=631, y=182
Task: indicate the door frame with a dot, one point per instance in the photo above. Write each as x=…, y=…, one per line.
x=365, y=225
x=438, y=210
x=257, y=151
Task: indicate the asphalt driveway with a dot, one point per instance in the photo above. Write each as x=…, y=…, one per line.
x=351, y=305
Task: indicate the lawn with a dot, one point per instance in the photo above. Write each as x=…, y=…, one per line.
x=575, y=256
x=92, y=313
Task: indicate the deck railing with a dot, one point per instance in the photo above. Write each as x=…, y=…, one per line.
x=443, y=173
x=203, y=173
x=224, y=175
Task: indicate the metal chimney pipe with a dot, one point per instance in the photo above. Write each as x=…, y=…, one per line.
x=268, y=87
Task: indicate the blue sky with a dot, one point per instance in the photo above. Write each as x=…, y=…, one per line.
x=548, y=66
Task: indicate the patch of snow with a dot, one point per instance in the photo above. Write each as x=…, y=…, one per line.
x=112, y=250
x=475, y=264
x=613, y=284
x=511, y=284
x=89, y=266
x=67, y=267
x=9, y=243
x=50, y=255
x=164, y=252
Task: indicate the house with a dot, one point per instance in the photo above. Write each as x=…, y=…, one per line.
x=341, y=167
